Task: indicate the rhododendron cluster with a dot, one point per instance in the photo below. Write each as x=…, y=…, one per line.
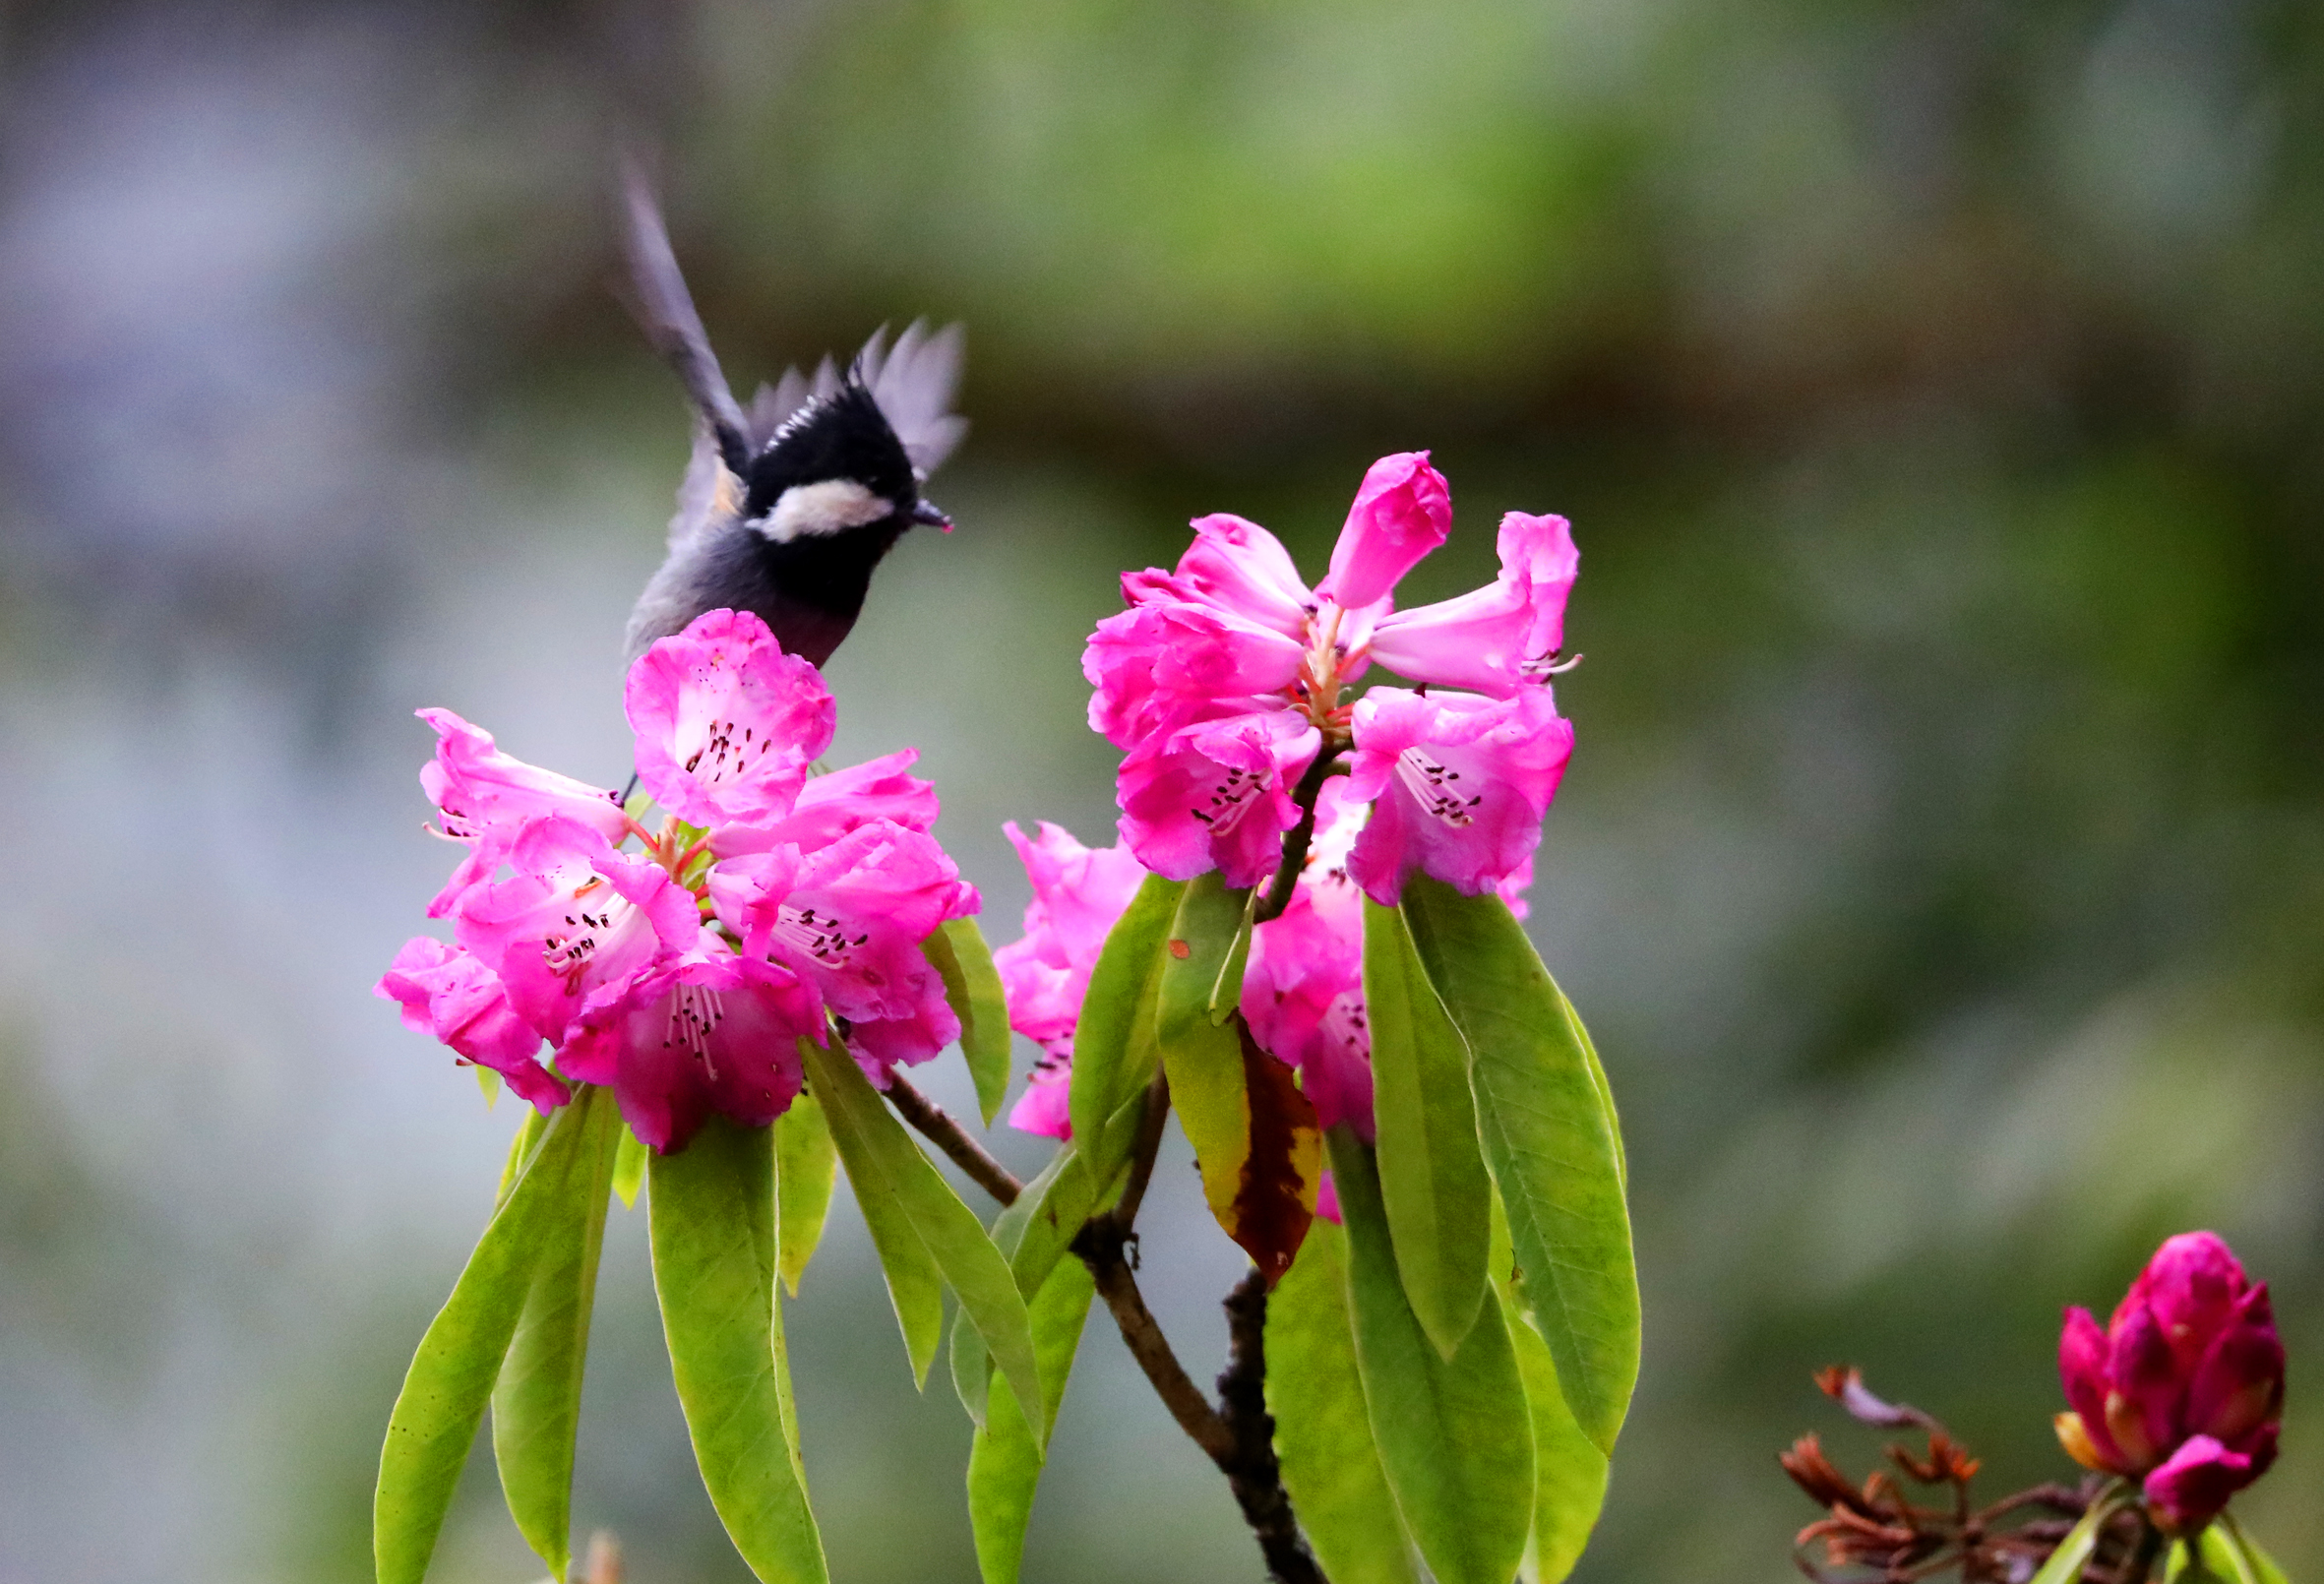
x=1224, y=683
x=2184, y=1389
x=771, y=906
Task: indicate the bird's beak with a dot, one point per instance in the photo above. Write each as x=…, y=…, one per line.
x=928, y=513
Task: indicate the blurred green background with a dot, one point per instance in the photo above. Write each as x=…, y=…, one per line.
x=1935, y=391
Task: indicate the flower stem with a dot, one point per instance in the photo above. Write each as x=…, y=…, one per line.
x=951, y=1138
x=1294, y=847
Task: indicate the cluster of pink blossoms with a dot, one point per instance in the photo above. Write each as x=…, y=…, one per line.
x=2183, y=1391
x=771, y=907
x=1223, y=682
x=1224, y=679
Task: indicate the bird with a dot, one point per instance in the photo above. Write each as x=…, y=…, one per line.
x=787, y=506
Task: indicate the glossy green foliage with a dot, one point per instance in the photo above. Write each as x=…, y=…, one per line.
x=1204, y=1060
x=1004, y=1459
x=1323, y=1432
x=972, y=986
x=807, y=1166
x=451, y=1379
x=1113, y=1048
x=2065, y=1563
x=2222, y=1553
x=536, y=1402
x=1431, y=1167
x=891, y=1175
x=715, y=1237
x=1550, y=1140
x=1454, y=1437
x=1570, y=1472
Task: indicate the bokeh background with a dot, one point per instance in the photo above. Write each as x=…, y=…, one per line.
x=1935, y=389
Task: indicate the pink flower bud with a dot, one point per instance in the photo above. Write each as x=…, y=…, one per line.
x=2184, y=1387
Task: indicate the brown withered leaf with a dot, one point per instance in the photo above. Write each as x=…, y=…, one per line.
x=1275, y=1200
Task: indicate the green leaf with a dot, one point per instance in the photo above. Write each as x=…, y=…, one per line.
x=1570, y=1472
x=1454, y=1435
x=451, y=1379
x=1550, y=1142
x=537, y=1404
x=883, y=1163
x=972, y=986
x=1034, y=1233
x=1431, y=1167
x=1114, y=1050
x=1004, y=1458
x=629, y=1168
x=1203, y=1060
x=488, y=1081
x=712, y=1220
x=521, y=1148
x=807, y=1164
x=2065, y=1563
x=1226, y=988
x=915, y=1286
x=1323, y=1434
x=2251, y=1565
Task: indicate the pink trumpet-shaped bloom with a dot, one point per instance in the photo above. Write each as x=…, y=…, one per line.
x=727, y=723
x=1215, y=793
x=830, y=806
x=1503, y=636
x=1462, y=783
x=486, y=797
x=1155, y=664
x=2185, y=1386
x=700, y=1032
x=1079, y=893
x=448, y=993
x=576, y=924
x=1402, y=512
x=849, y=917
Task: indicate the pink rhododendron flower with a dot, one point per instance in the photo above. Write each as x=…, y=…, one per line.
x=849, y=917
x=1225, y=678
x=1217, y=793
x=448, y=993
x=703, y=1031
x=486, y=797
x=1079, y=893
x=578, y=923
x=2185, y=1386
x=830, y=886
x=1499, y=637
x=1461, y=782
x=726, y=722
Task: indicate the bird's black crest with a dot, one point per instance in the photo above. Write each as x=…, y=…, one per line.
x=843, y=434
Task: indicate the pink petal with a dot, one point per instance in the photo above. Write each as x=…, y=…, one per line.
x=449, y=994
x=1402, y=512
x=2191, y=1285
x=2239, y=1383
x=830, y=806
x=1461, y=784
x=2147, y=1383
x=1499, y=638
x=1327, y=1198
x=1215, y=793
x=1241, y=570
x=1043, y=1107
x=2194, y=1484
x=726, y=722
x=2082, y=1357
x=1159, y=665
x=1302, y=996
x=1078, y=892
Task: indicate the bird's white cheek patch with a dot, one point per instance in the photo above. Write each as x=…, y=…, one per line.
x=810, y=511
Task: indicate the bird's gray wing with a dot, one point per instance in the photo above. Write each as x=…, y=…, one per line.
x=913, y=382
x=666, y=310
x=708, y=490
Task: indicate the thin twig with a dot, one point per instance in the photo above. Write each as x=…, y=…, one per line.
x=1099, y=1243
x=1294, y=847
x=951, y=1138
